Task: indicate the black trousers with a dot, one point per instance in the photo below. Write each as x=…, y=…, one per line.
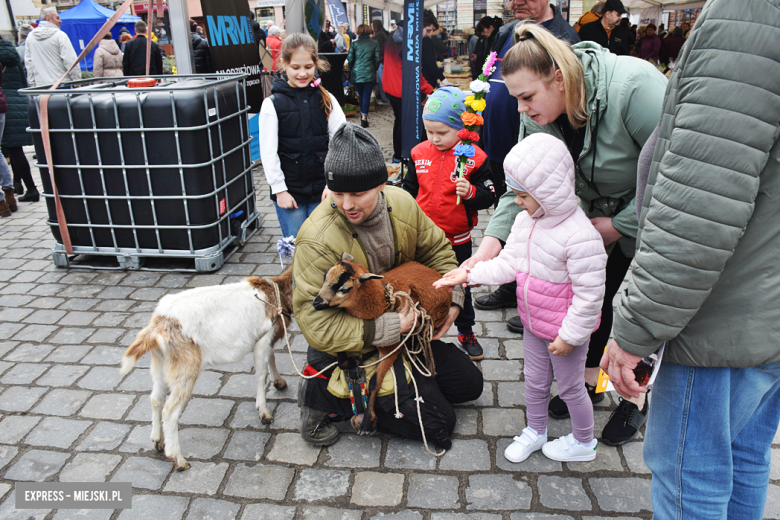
x=617, y=267
x=457, y=380
x=499, y=180
x=19, y=165
x=466, y=319
x=395, y=103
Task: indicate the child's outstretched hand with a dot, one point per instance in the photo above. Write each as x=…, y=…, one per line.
x=560, y=347
x=462, y=187
x=451, y=279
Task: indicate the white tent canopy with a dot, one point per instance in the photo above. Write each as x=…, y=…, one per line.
x=665, y=5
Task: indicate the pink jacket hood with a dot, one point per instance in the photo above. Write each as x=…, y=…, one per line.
x=543, y=166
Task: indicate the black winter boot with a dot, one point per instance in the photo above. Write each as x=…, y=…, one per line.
x=32, y=195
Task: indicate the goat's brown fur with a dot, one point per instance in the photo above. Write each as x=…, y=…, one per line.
x=366, y=300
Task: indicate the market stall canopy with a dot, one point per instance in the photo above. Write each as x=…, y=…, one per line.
x=665, y=5
x=82, y=22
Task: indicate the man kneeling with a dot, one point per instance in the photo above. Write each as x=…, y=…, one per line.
x=380, y=227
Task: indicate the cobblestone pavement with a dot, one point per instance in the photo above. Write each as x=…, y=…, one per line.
x=66, y=414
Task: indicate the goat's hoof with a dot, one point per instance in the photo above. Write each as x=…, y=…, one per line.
x=181, y=467
x=281, y=384
x=159, y=445
x=266, y=418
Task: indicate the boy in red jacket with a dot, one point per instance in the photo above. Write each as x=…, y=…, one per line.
x=432, y=180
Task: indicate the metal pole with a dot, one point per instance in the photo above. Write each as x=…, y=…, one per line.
x=13, y=22
x=179, y=18
x=293, y=11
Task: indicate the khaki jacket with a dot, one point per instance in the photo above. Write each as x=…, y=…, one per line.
x=325, y=236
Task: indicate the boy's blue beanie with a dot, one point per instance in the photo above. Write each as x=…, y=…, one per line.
x=445, y=106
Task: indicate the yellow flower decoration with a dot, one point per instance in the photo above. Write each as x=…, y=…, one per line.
x=478, y=105
x=468, y=100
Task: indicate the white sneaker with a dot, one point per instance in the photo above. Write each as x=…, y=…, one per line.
x=567, y=449
x=527, y=443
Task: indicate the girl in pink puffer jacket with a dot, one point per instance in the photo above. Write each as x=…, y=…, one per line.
x=559, y=262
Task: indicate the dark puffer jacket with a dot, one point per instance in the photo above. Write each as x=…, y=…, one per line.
x=201, y=54
x=303, y=139
x=12, y=79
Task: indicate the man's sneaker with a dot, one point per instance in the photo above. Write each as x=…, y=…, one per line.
x=527, y=443
x=624, y=423
x=515, y=324
x=495, y=300
x=568, y=449
x=471, y=346
x=557, y=408
x=316, y=428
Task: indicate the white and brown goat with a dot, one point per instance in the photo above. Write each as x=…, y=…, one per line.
x=361, y=294
x=208, y=326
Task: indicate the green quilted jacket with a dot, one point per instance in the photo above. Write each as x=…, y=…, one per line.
x=14, y=78
x=705, y=276
x=363, y=60
x=624, y=97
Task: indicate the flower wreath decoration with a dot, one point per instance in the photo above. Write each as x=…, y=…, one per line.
x=471, y=117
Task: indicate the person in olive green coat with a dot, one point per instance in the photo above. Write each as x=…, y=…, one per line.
x=705, y=277
x=604, y=107
x=363, y=60
x=381, y=227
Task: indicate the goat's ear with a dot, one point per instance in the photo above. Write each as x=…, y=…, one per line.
x=346, y=257
x=369, y=276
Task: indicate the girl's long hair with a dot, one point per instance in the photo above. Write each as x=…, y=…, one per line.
x=537, y=50
x=294, y=42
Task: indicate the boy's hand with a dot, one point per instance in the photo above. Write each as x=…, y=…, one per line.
x=462, y=187
x=451, y=279
x=560, y=347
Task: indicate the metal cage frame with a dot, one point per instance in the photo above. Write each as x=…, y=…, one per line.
x=208, y=259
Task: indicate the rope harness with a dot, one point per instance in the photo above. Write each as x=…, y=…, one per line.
x=422, y=329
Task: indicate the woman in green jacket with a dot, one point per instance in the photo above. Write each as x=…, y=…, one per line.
x=604, y=107
x=363, y=60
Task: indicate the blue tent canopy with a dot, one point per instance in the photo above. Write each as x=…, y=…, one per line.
x=82, y=22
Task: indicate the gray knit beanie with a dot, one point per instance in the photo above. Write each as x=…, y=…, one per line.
x=355, y=162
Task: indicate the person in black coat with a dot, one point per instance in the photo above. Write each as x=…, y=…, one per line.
x=201, y=54
x=258, y=33
x=15, y=133
x=618, y=41
x=134, y=60
x=430, y=70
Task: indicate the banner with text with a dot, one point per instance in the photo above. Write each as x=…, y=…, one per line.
x=338, y=15
x=411, y=51
x=233, y=47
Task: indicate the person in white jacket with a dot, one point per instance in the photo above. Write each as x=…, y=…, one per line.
x=48, y=52
x=559, y=262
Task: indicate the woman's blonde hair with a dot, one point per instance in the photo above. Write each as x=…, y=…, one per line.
x=294, y=42
x=537, y=50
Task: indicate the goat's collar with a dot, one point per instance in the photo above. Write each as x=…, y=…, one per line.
x=280, y=311
x=388, y=297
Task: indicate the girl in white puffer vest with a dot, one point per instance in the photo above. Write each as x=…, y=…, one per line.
x=559, y=262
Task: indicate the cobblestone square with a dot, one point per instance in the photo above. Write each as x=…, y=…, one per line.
x=67, y=415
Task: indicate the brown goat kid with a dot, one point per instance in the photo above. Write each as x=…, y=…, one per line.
x=351, y=287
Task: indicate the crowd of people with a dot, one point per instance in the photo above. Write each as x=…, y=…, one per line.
x=600, y=171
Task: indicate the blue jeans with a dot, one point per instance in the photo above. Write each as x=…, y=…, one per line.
x=708, y=440
x=6, y=180
x=364, y=93
x=291, y=220
x=380, y=73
